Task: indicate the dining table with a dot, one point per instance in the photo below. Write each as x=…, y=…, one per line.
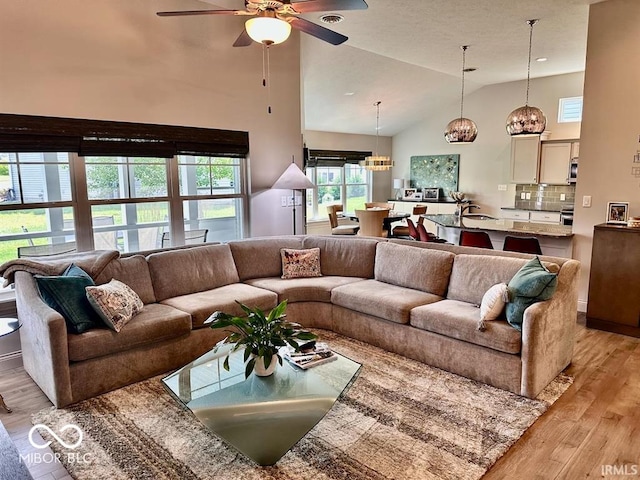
x=386, y=222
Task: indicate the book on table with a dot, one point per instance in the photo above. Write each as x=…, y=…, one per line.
x=320, y=354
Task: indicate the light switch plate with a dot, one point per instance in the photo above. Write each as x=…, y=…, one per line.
x=283, y=201
x=586, y=201
x=528, y=195
x=502, y=188
x=523, y=196
x=563, y=197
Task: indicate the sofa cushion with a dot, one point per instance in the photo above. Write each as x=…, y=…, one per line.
x=417, y=268
x=155, y=323
x=459, y=320
x=345, y=256
x=316, y=289
x=132, y=271
x=181, y=272
x=260, y=257
x=493, y=302
x=202, y=304
x=473, y=275
x=298, y=263
x=66, y=294
x=379, y=299
x=115, y=303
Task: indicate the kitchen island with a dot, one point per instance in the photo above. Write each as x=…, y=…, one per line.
x=555, y=240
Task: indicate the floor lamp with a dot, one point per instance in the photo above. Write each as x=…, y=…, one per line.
x=293, y=179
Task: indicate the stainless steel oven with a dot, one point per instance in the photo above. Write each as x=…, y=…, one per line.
x=566, y=216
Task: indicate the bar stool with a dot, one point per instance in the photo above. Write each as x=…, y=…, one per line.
x=475, y=239
x=522, y=245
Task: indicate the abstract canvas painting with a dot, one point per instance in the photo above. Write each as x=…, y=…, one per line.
x=435, y=171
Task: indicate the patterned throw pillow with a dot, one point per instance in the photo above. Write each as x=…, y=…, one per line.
x=115, y=302
x=300, y=263
x=493, y=303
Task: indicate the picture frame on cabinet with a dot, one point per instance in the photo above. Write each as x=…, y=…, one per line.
x=617, y=212
x=409, y=193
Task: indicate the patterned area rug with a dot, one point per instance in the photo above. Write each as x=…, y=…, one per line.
x=400, y=419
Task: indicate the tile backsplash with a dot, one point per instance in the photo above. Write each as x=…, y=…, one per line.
x=545, y=197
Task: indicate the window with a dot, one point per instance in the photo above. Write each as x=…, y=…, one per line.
x=570, y=110
x=339, y=179
x=115, y=185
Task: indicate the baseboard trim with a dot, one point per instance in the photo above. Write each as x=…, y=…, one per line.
x=10, y=360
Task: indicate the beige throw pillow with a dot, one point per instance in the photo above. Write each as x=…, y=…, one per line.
x=300, y=263
x=493, y=303
x=115, y=303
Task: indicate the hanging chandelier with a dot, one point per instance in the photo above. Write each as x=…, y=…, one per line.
x=377, y=162
x=461, y=130
x=527, y=120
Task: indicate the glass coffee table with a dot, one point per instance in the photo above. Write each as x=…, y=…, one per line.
x=262, y=417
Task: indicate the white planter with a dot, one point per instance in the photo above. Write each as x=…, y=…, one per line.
x=265, y=372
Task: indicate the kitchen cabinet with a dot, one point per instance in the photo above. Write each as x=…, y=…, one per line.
x=525, y=159
x=614, y=286
x=509, y=214
x=544, y=217
x=555, y=158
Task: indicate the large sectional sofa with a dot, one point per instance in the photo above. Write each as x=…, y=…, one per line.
x=416, y=299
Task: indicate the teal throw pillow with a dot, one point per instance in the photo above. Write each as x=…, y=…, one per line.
x=532, y=283
x=66, y=294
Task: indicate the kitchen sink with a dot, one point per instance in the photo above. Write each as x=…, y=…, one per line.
x=478, y=216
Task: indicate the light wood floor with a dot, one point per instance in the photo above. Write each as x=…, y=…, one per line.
x=595, y=424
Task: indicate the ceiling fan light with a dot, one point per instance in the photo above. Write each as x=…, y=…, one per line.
x=526, y=121
x=461, y=130
x=377, y=163
x=267, y=30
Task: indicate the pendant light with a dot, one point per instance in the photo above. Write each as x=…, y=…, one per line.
x=461, y=130
x=377, y=162
x=527, y=120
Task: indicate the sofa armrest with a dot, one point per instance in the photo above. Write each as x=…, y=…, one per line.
x=548, y=333
x=43, y=338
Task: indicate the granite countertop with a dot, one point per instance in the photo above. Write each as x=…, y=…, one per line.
x=531, y=209
x=502, y=225
x=424, y=200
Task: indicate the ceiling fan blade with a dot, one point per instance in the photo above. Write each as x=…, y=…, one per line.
x=244, y=40
x=328, y=5
x=317, y=31
x=199, y=12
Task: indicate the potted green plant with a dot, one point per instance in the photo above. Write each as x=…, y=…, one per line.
x=261, y=335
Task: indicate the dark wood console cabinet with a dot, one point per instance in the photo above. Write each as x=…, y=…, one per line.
x=614, y=282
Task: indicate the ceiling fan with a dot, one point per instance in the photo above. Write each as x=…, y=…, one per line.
x=273, y=19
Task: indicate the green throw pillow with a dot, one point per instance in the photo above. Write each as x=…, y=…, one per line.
x=532, y=283
x=66, y=294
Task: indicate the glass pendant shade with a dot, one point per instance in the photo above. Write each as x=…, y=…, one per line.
x=461, y=130
x=268, y=30
x=526, y=121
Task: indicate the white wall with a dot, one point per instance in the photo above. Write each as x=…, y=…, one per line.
x=484, y=164
x=610, y=127
x=117, y=60
x=382, y=181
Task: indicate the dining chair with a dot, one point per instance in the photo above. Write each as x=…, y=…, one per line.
x=337, y=229
x=190, y=237
x=475, y=239
x=388, y=206
x=405, y=230
x=522, y=245
x=104, y=240
x=371, y=222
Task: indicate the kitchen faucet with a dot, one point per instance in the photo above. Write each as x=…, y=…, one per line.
x=463, y=208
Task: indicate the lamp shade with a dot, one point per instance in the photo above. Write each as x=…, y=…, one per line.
x=461, y=130
x=293, y=179
x=526, y=120
x=398, y=183
x=268, y=30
